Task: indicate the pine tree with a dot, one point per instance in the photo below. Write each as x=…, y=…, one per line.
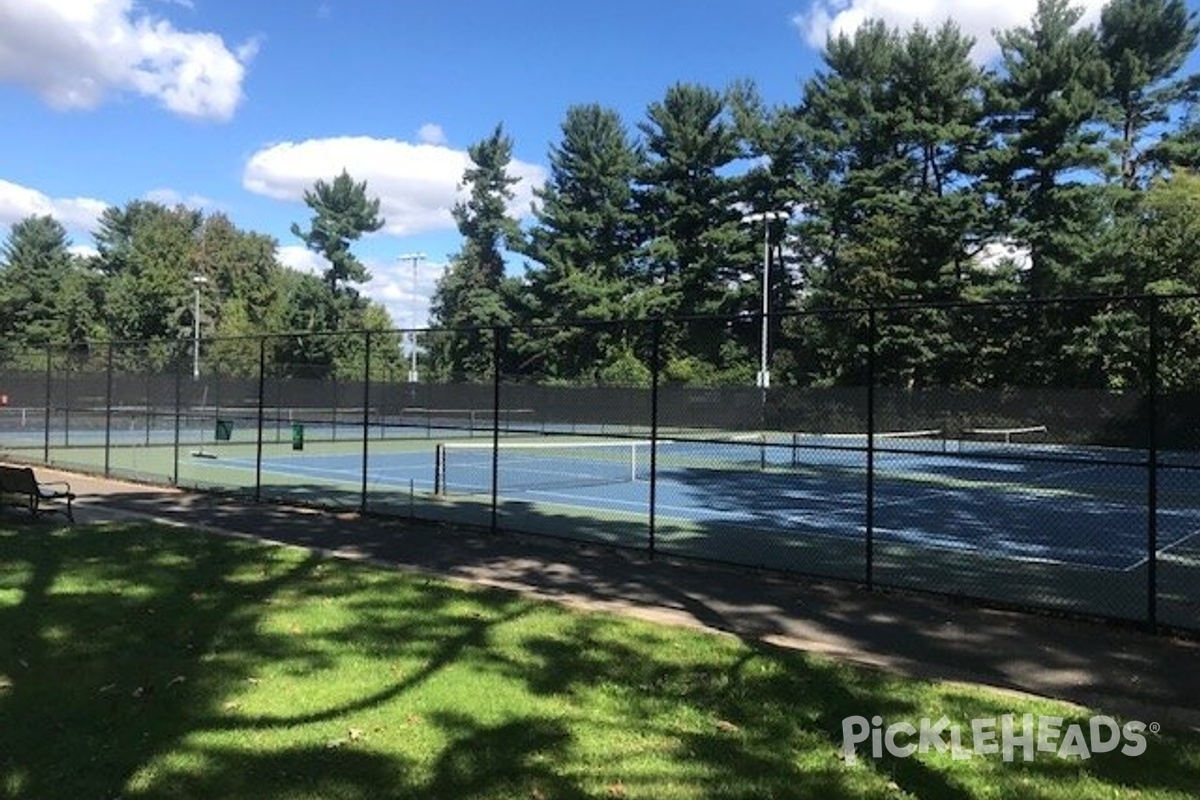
x=342, y=213
x=689, y=204
x=1045, y=108
x=474, y=292
x=35, y=264
x=584, y=244
x=1144, y=43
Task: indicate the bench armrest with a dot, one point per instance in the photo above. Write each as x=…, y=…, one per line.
x=48, y=486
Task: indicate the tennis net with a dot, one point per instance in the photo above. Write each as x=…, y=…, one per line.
x=924, y=439
x=990, y=439
x=466, y=467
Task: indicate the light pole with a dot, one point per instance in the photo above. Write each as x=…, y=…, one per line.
x=413, y=376
x=766, y=218
x=197, y=282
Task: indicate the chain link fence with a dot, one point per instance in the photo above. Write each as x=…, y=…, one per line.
x=1031, y=454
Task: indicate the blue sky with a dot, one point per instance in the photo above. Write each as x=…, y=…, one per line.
x=239, y=107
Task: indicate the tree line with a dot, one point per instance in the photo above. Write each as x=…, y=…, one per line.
x=909, y=174
x=140, y=289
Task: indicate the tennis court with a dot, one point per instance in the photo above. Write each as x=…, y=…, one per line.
x=1039, y=504
x=1005, y=514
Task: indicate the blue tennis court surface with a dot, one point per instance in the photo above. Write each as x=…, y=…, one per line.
x=1087, y=512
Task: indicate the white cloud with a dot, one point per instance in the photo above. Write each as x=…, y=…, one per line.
x=74, y=54
x=392, y=282
x=431, y=133
x=417, y=184
x=977, y=18
x=301, y=258
x=392, y=285
x=83, y=250
x=77, y=214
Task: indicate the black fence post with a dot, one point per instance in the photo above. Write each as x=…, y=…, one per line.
x=366, y=419
x=147, y=403
x=108, y=410
x=262, y=404
x=49, y=400
x=177, y=361
x=1152, y=469
x=872, y=332
x=497, y=337
x=655, y=368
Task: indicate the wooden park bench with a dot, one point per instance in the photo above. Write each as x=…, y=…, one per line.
x=20, y=482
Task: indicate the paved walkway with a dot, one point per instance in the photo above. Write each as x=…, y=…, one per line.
x=1110, y=667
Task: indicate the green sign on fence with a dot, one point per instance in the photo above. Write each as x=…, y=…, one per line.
x=297, y=436
x=224, y=430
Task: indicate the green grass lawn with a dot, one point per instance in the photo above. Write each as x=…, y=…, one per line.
x=144, y=662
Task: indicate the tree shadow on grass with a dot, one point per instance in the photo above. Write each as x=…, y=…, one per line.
x=728, y=724
x=737, y=721
x=123, y=643
x=750, y=721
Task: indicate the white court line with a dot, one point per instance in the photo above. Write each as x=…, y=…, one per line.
x=299, y=471
x=1143, y=561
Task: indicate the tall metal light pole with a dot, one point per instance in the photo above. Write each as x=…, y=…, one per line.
x=413, y=375
x=197, y=282
x=766, y=218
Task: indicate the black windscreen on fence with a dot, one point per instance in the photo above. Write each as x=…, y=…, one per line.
x=1035, y=454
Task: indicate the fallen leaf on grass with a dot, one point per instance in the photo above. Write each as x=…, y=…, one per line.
x=726, y=726
x=616, y=789
x=106, y=688
x=354, y=734
x=232, y=705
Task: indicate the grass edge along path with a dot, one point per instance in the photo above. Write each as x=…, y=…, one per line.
x=141, y=661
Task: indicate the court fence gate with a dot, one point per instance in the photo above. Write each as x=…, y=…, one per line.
x=1033, y=454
